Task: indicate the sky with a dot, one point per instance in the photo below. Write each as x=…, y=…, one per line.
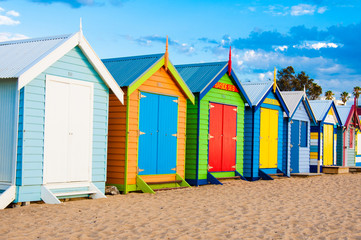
x=320, y=37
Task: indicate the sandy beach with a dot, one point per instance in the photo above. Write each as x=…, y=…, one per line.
x=326, y=207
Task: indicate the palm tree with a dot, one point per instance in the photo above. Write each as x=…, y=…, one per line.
x=329, y=95
x=344, y=97
x=356, y=93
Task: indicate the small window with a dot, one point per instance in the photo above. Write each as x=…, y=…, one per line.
x=351, y=138
x=304, y=134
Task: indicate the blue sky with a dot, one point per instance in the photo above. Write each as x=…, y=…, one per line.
x=320, y=37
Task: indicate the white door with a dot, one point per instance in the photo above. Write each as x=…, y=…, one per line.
x=68, y=130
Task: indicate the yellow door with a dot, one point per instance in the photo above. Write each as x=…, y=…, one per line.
x=264, y=139
x=268, y=138
x=327, y=144
x=272, y=163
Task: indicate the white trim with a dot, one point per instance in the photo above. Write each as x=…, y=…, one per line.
x=100, y=68
x=7, y=197
x=75, y=40
x=77, y=82
x=16, y=136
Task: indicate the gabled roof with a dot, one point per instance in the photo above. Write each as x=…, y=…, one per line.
x=257, y=91
x=344, y=111
x=126, y=70
x=26, y=59
x=198, y=76
x=133, y=71
x=294, y=98
x=16, y=56
x=321, y=109
x=201, y=77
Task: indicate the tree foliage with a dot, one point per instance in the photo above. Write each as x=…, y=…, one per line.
x=329, y=95
x=356, y=93
x=288, y=80
x=345, y=97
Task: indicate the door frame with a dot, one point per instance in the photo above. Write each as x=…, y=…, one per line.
x=278, y=134
x=163, y=94
x=298, y=145
x=209, y=111
x=53, y=78
x=323, y=143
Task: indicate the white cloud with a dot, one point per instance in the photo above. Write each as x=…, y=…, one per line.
x=321, y=10
x=1, y=9
x=252, y=9
x=317, y=45
x=5, y=36
x=303, y=9
x=5, y=20
x=13, y=13
x=281, y=48
x=277, y=10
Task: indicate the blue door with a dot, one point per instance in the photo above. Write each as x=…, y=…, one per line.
x=157, y=150
x=295, y=146
x=167, y=137
x=148, y=133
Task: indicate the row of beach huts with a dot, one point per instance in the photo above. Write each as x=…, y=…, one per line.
x=70, y=124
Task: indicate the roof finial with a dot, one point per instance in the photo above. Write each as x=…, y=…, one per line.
x=166, y=55
x=80, y=27
x=304, y=88
x=230, y=62
x=274, y=80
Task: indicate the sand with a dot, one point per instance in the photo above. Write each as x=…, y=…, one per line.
x=326, y=207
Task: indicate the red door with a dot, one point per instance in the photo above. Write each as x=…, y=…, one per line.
x=222, y=137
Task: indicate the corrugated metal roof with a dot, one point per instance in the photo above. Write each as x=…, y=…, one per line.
x=126, y=70
x=343, y=112
x=198, y=76
x=16, y=56
x=320, y=108
x=292, y=99
x=256, y=90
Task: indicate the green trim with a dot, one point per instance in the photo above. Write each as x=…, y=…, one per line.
x=137, y=83
x=183, y=183
x=126, y=146
x=181, y=82
x=223, y=174
x=143, y=185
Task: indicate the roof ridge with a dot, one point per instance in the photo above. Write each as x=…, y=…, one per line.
x=132, y=57
x=200, y=64
x=254, y=83
x=27, y=40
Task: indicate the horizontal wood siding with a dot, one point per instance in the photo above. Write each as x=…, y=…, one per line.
x=191, y=140
x=248, y=142
x=116, y=139
x=350, y=152
x=286, y=153
x=160, y=82
x=8, y=92
x=304, y=152
x=340, y=147
x=223, y=97
x=73, y=65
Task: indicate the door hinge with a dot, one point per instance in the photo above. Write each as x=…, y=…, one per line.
x=209, y=167
x=235, y=109
x=176, y=101
x=291, y=145
x=175, y=135
x=211, y=106
x=140, y=133
x=210, y=136
x=140, y=170
x=141, y=95
x=234, y=138
x=234, y=166
x=174, y=169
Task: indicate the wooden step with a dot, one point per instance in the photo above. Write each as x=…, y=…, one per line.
x=355, y=169
x=335, y=169
x=164, y=189
x=276, y=175
x=164, y=182
x=74, y=193
x=227, y=178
